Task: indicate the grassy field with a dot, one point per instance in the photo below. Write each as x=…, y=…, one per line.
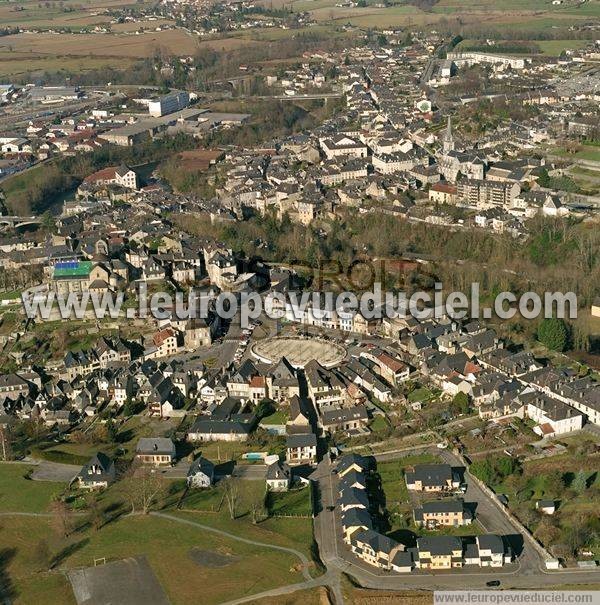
x=167, y=546
x=587, y=152
x=294, y=502
x=379, y=423
x=23, y=582
x=421, y=394
x=555, y=47
x=541, y=47
x=278, y=417
x=18, y=493
x=166, y=543
x=314, y=596
x=129, y=431
x=392, y=476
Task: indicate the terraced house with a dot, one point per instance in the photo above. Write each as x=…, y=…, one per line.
x=447, y=513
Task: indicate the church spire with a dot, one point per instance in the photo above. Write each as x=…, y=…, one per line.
x=448, y=141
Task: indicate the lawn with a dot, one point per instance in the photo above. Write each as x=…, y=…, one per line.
x=421, y=394
x=223, y=451
x=293, y=502
x=18, y=493
x=278, y=417
x=379, y=423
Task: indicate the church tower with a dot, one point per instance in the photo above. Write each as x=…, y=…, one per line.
x=448, y=141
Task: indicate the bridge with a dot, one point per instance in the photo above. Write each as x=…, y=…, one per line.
x=17, y=222
x=308, y=97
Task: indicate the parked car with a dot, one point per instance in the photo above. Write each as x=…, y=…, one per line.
x=493, y=583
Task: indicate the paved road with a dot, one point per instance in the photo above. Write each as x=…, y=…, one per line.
x=54, y=471
x=324, y=580
x=43, y=470
x=526, y=573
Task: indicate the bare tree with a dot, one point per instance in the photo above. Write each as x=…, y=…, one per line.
x=5, y=444
x=143, y=488
x=258, y=508
x=96, y=514
x=232, y=494
x=42, y=556
x=62, y=518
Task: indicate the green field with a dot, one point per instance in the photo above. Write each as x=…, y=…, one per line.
x=166, y=544
x=19, y=493
x=539, y=47
x=587, y=152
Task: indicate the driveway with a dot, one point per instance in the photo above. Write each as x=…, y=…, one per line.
x=54, y=471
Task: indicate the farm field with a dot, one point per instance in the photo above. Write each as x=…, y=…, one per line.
x=106, y=45
x=17, y=63
x=69, y=13
x=537, y=14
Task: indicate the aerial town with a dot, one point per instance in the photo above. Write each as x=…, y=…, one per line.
x=260, y=151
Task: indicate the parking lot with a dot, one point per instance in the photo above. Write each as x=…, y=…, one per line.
x=127, y=582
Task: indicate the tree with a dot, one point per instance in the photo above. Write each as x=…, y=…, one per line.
x=62, y=518
x=111, y=431
x=460, y=403
x=96, y=514
x=265, y=407
x=143, y=488
x=232, y=494
x=579, y=483
x=553, y=333
x=554, y=484
x=5, y=444
x=257, y=508
x=42, y=557
x=48, y=222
